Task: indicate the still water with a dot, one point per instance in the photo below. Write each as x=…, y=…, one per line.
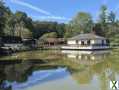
x=59, y=70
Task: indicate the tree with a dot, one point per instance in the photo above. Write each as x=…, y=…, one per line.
x=10, y=25
x=98, y=30
x=60, y=29
x=113, y=32
x=22, y=25
x=3, y=10
x=112, y=25
x=22, y=17
x=112, y=17
x=103, y=14
x=49, y=35
x=103, y=19
x=81, y=23
x=43, y=27
x=26, y=33
x=68, y=31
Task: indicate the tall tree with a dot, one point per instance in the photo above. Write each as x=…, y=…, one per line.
x=3, y=10
x=81, y=23
x=103, y=19
x=103, y=14
x=23, y=24
x=60, y=29
x=112, y=17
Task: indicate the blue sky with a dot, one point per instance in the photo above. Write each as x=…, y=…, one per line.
x=60, y=10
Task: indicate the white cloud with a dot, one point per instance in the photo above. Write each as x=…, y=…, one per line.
x=31, y=7
x=52, y=18
x=48, y=16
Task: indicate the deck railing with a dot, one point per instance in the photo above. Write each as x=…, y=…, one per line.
x=85, y=45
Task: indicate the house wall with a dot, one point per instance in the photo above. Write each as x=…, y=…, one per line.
x=85, y=41
x=105, y=42
x=96, y=41
x=71, y=42
x=79, y=42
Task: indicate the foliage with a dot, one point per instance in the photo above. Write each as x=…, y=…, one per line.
x=14, y=24
x=103, y=20
x=49, y=35
x=41, y=28
x=112, y=17
x=98, y=30
x=103, y=14
x=3, y=12
x=81, y=23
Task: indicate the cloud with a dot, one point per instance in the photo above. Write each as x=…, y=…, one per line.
x=49, y=15
x=52, y=18
x=31, y=7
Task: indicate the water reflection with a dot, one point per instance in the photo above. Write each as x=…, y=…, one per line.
x=86, y=57
x=98, y=74
x=64, y=71
x=19, y=71
x=40, y=77
x=84, y=54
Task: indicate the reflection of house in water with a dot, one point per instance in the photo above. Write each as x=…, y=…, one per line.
x=11, y=72
x=86, y=57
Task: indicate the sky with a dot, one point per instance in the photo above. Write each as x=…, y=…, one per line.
x=60, y=10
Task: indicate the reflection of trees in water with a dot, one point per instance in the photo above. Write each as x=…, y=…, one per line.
x=2, y=75
x=2, y=78
x=19, y=72
x=83, y=77
x=103, y=71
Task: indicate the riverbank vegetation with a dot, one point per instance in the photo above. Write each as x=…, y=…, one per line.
x=20, y=24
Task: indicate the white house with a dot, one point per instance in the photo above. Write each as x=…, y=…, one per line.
x=88, y=41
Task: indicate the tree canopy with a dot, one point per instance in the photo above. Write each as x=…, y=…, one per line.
x=81, y=23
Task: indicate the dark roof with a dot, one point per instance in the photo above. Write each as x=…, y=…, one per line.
x=86, y=36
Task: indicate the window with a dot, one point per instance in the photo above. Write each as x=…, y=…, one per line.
x=103, y=42
x=107, y=41
x=76, y=41
x=88, y=42
x=82, y=42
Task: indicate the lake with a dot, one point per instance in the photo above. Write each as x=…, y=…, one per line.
x=59, y=70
